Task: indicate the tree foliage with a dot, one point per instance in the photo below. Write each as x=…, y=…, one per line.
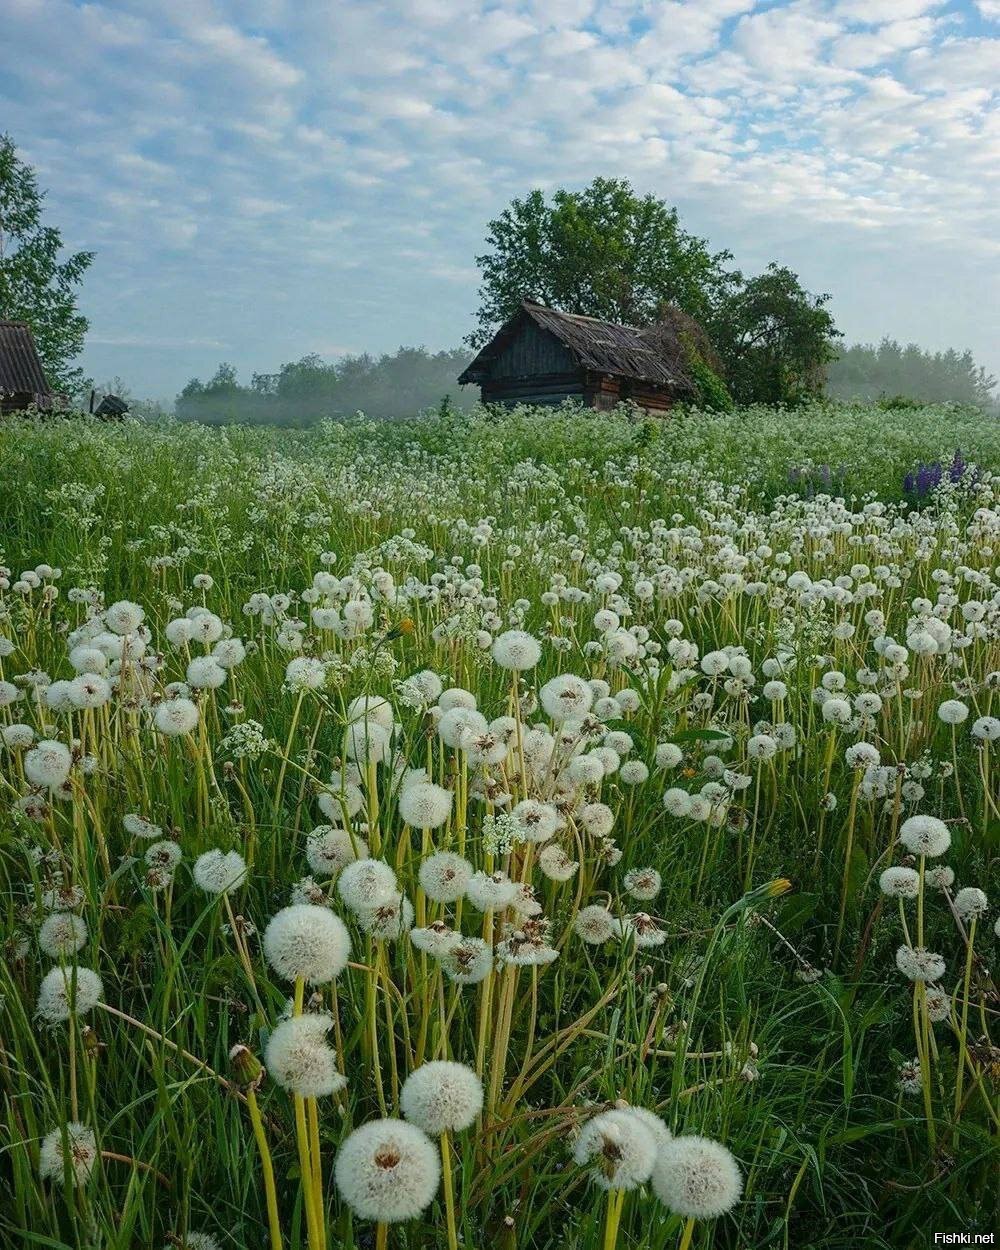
x=607, y=252
x=37, y=283
x=774, y=337
x=603, y=252
x=889, y=371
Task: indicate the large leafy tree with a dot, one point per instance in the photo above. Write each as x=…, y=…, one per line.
x=774, y=337
x=608, y=252
x=37, y=282
x=603, y=252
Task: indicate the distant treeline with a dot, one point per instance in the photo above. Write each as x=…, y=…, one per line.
x=891, y=371
x=413, y=379
x=305, y=391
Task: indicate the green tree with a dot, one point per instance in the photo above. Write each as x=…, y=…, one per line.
x=37, y=286
x=774, y=338
x=603, y=252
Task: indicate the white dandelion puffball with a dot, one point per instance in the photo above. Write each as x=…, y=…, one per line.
x=668, y=755
x=516, y=650
x=986, y=728
x=942, y=877
x=195, y=1241
x=308, y=942
x=467, y=960
x=124, y=617
x=82, y=1154
x=697, y=1177
x=367, y=883
x=677, y=802
x=387, y=1171
x=618, y=1147
x=489, y=892
x=971, y=903
x=566, y=697
x=61, y=935
x=460, y=723
x=536, y=822
x=444, y=877
x=329, y=848
x=88, y=690
x=299, y=1059
x=441, y=1096
x=424, y=805
x=371, y=707
x=643, y=883
x=953, y=711
x=556, y=864
x=59, y=997
x=651, y=1122
x=175, y=717
x=205, y=673
x=47, y=765
x=900, y=882
x=305, y=673
x=917, y=963
x=925, y=835
x=595, y=924
x=218, y=872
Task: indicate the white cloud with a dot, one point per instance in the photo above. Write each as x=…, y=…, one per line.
x=344, y=159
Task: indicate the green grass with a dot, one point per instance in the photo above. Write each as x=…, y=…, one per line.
x=717, y=1028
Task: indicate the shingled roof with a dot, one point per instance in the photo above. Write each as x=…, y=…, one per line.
x=21, y=372
x=645, y=354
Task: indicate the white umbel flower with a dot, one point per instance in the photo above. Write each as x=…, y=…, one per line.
x=308, y=942
x=697, y=1177
x=387, y=1171
x=441, y=1096
x=618, y=1147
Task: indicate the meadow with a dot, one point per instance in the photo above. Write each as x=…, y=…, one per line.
x=530, y=831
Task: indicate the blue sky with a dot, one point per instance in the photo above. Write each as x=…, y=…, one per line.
x=266, y=178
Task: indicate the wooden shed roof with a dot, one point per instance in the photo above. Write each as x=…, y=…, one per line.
x=21, y=371
x=642, y=354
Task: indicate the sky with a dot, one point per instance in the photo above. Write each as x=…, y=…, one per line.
x=265, y=178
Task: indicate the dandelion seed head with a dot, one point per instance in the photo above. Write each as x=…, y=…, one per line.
x=388, y=1171
x=82, y=1154
x=697, y=1177
x=308, y=942
x=441, y=1096
x=299, y=1059
x=59, y=998
x=618, y=1147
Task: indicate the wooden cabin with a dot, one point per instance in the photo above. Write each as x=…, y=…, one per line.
x=22, y=379
x=542, y=356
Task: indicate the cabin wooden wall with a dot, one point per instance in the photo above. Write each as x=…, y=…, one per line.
x=531, y=353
